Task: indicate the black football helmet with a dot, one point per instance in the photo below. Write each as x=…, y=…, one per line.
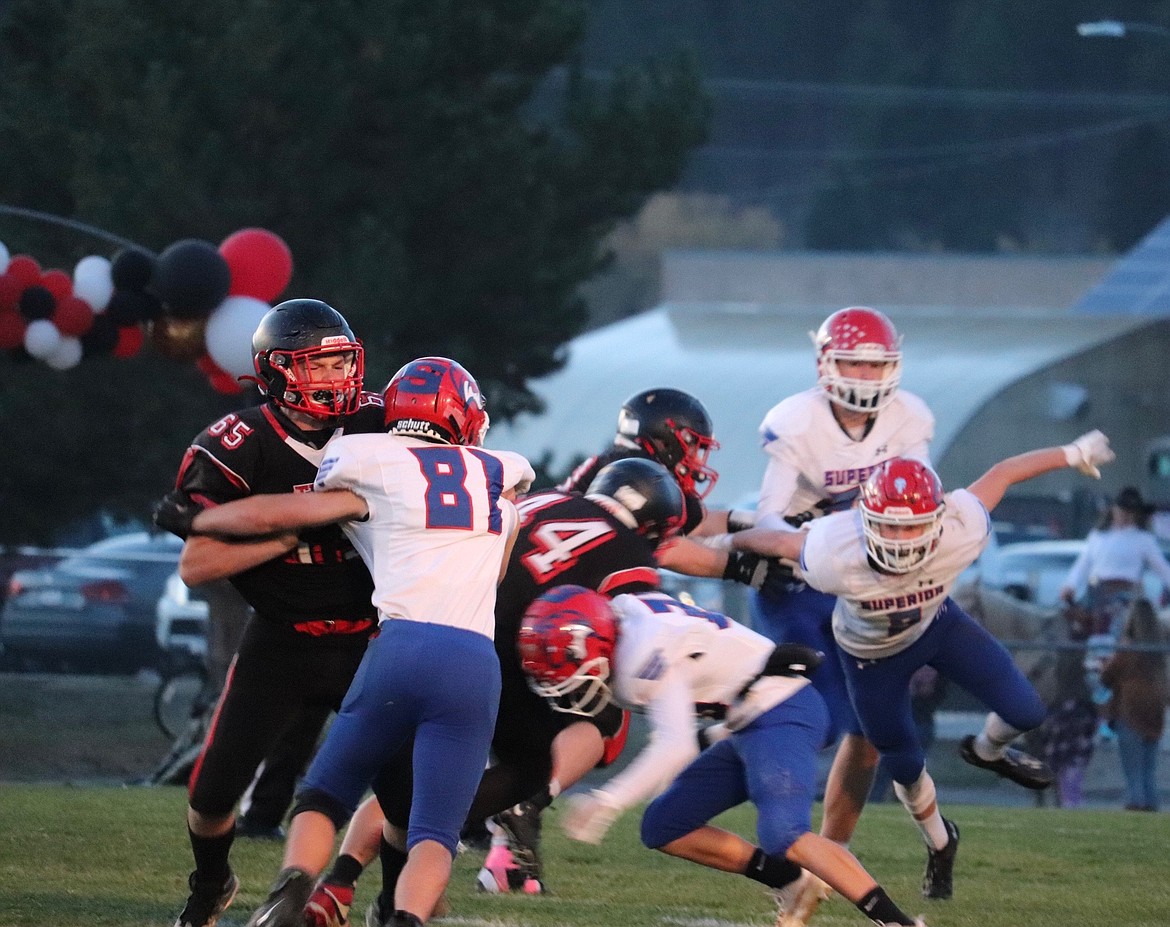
x=642, y=495
x=675, y=430
x=290, y=335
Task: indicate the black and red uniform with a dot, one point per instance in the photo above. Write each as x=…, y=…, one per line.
x=584, y=474
x=563, y=538
x=313, y=611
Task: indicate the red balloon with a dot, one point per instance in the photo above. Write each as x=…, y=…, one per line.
x=260, y=263
x=10, y=290
x=73, y=316
x=57, y=282
x=130, y=341
x=225, y=383
x=12, y=326
x=24, y=270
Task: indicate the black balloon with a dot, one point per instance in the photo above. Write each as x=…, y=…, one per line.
x=191, y=278
x=131, y=269
x=101, y=338
x=37, y=303
x=127, y=307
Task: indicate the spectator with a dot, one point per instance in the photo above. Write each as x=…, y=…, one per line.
x=1137, y=676
x=1116, y=554
x=1067, y=736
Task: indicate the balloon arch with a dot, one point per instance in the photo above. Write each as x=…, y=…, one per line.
x=195, y=302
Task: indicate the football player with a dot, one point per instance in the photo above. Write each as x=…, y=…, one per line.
x=430, y=511
x=677, y=663
x=821, y=445
x=891, y=564
x=605, y=540
x=310, y=591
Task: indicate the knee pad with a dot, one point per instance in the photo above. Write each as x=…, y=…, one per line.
x=322, y=803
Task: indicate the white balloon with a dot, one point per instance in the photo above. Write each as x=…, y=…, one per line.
x=229, y=333
x=67, y=354
x=4, y=256
x=92, y=282
x=41, y=338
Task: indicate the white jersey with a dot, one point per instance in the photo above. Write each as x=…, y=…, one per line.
x=437, y=530
x=879, y=614
x=675, y=663
x=814, y=467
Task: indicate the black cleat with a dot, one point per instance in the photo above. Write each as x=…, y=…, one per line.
x=1020, y=767
x=285, y=904
x=939, y=880
x=521, y=824
x=207, y=901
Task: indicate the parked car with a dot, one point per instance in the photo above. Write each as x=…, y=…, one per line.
x=181, y=623
x=92, y=611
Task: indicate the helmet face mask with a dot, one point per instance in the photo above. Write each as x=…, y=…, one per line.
x=566, y=643
x=902, y=493
x=674, y=429
x=436, y=399
x=858, y=336
x=307, y=359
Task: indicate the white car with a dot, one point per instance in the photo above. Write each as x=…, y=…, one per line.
x=181, y=622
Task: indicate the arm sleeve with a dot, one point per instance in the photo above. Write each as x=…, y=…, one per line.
x=671, y=747
x=777, y=486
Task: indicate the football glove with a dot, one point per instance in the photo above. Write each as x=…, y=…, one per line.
x=764, y=574
x=1088, y=452
x=175, y=512
x=589, y=816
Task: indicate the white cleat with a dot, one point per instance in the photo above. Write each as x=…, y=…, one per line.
x=799, y=900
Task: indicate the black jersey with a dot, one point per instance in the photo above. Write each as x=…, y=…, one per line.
x=566, y=538
x=258, y=450
x=580, y=478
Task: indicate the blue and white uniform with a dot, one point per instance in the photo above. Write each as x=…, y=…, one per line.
x=888, y=625
x=677, y=663
x=815, y=467
x=434, y=542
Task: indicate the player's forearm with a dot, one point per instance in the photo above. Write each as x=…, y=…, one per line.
x=271, y=514
x=770, y=542
x=685, y=556
x=991, y=487
x=205, y=559
x=656, y=766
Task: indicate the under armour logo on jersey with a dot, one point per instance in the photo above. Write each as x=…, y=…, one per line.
x=881, y=451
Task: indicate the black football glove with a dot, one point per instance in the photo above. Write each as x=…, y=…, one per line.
x=793, y=660
x=175, y=512
x=764, y=574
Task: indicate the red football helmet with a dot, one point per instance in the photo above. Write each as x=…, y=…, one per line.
x=566, y=643
x=290, y=337
x=434, y=397
x=859, y=335
x=902, y=493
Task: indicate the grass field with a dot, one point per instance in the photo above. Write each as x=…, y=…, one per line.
x=118, y=857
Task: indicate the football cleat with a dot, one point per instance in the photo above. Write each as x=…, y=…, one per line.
x=521, y=825
x=285, y=904
x=938, y=882
x=500, y=874
x=799, y=899
x=329, y=906
x=207, y=901
x=1020, y=767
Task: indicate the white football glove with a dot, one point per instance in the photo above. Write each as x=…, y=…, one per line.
x=589, y=816
x=1088, y=452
